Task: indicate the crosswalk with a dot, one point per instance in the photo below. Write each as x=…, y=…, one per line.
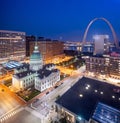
x=11, y=113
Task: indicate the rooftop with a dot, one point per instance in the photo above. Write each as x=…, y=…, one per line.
x=106, y=114
x=41, y=73
x=12, y=65
x=25, y=65
x=83, y=97
x=45, y=73
x=24, y=74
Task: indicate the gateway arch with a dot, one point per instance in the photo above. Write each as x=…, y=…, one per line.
x=108, y=23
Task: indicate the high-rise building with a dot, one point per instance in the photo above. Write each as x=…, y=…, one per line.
x=114, y=67
x=100, y=44
x=49, y=49
x=28, y=40
x=107, y=66
x=97, y=65
x=12, y=45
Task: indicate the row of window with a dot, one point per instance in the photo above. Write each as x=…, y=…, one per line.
x=29, y=79
x=28, y=84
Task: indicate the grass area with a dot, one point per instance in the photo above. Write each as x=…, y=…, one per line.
x=33, y=94
x=28, y=95
x=8, y=82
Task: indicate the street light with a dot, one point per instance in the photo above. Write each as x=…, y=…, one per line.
x=101, y=92
x=79, y=118
x=96, y=91
x=86, y=88
x=113, y=97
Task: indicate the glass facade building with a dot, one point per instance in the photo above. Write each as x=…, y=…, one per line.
x=12, y=45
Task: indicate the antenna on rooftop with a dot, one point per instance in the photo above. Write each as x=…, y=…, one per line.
x=36, y=41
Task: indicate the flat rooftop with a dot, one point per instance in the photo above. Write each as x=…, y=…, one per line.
x=83, y=97
x=106, y=114
x=11, y=65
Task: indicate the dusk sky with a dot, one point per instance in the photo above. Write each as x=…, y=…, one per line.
x=59, y=19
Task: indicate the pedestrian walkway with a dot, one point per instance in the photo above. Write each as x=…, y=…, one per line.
x=9, y=114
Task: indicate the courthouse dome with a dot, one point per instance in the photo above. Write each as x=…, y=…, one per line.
x=36, y=54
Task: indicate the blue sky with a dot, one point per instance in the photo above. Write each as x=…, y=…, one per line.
x=59, y=18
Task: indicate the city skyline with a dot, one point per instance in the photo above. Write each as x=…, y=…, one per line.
x=59, y=61
x=64, y=20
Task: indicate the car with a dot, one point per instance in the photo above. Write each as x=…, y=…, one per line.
x=56, y=86
x=47, y=92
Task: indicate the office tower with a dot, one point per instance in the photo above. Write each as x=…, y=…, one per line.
x=28, y=40
x=100, y=44
x=103, y=65
x=50, y=49
x=12, y=45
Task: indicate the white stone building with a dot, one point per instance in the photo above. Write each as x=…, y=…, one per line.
x=35, y=74
x=43, y=82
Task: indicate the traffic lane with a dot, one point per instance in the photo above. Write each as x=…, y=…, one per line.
x=7, y=102
x=58, y=91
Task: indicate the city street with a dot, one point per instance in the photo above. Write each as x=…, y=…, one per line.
x=23, y=117
x=7, y=102
x=45, y=104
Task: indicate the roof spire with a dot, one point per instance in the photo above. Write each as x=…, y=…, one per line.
x=36, y=45
x=36, y=41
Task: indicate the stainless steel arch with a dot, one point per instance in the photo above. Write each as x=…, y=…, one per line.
x=109, y=24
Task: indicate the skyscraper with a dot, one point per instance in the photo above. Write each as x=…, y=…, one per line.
x=12, y=45
x=99, y=43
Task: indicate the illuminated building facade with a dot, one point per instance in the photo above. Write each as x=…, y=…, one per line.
x=12, y=45
x=72, y=45
x=115, y=67
x=35, y=74
x=106, y=66
x=49, y=49
x=88, y=48
x=97, y=65
x=100, y=44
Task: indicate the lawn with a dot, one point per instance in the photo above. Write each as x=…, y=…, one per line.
x=28, y=95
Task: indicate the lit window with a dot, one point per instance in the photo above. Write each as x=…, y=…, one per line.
x=81, y=95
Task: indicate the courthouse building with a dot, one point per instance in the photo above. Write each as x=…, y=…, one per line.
x=35, y=74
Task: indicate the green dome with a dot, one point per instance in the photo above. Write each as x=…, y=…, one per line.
x=35, y=56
